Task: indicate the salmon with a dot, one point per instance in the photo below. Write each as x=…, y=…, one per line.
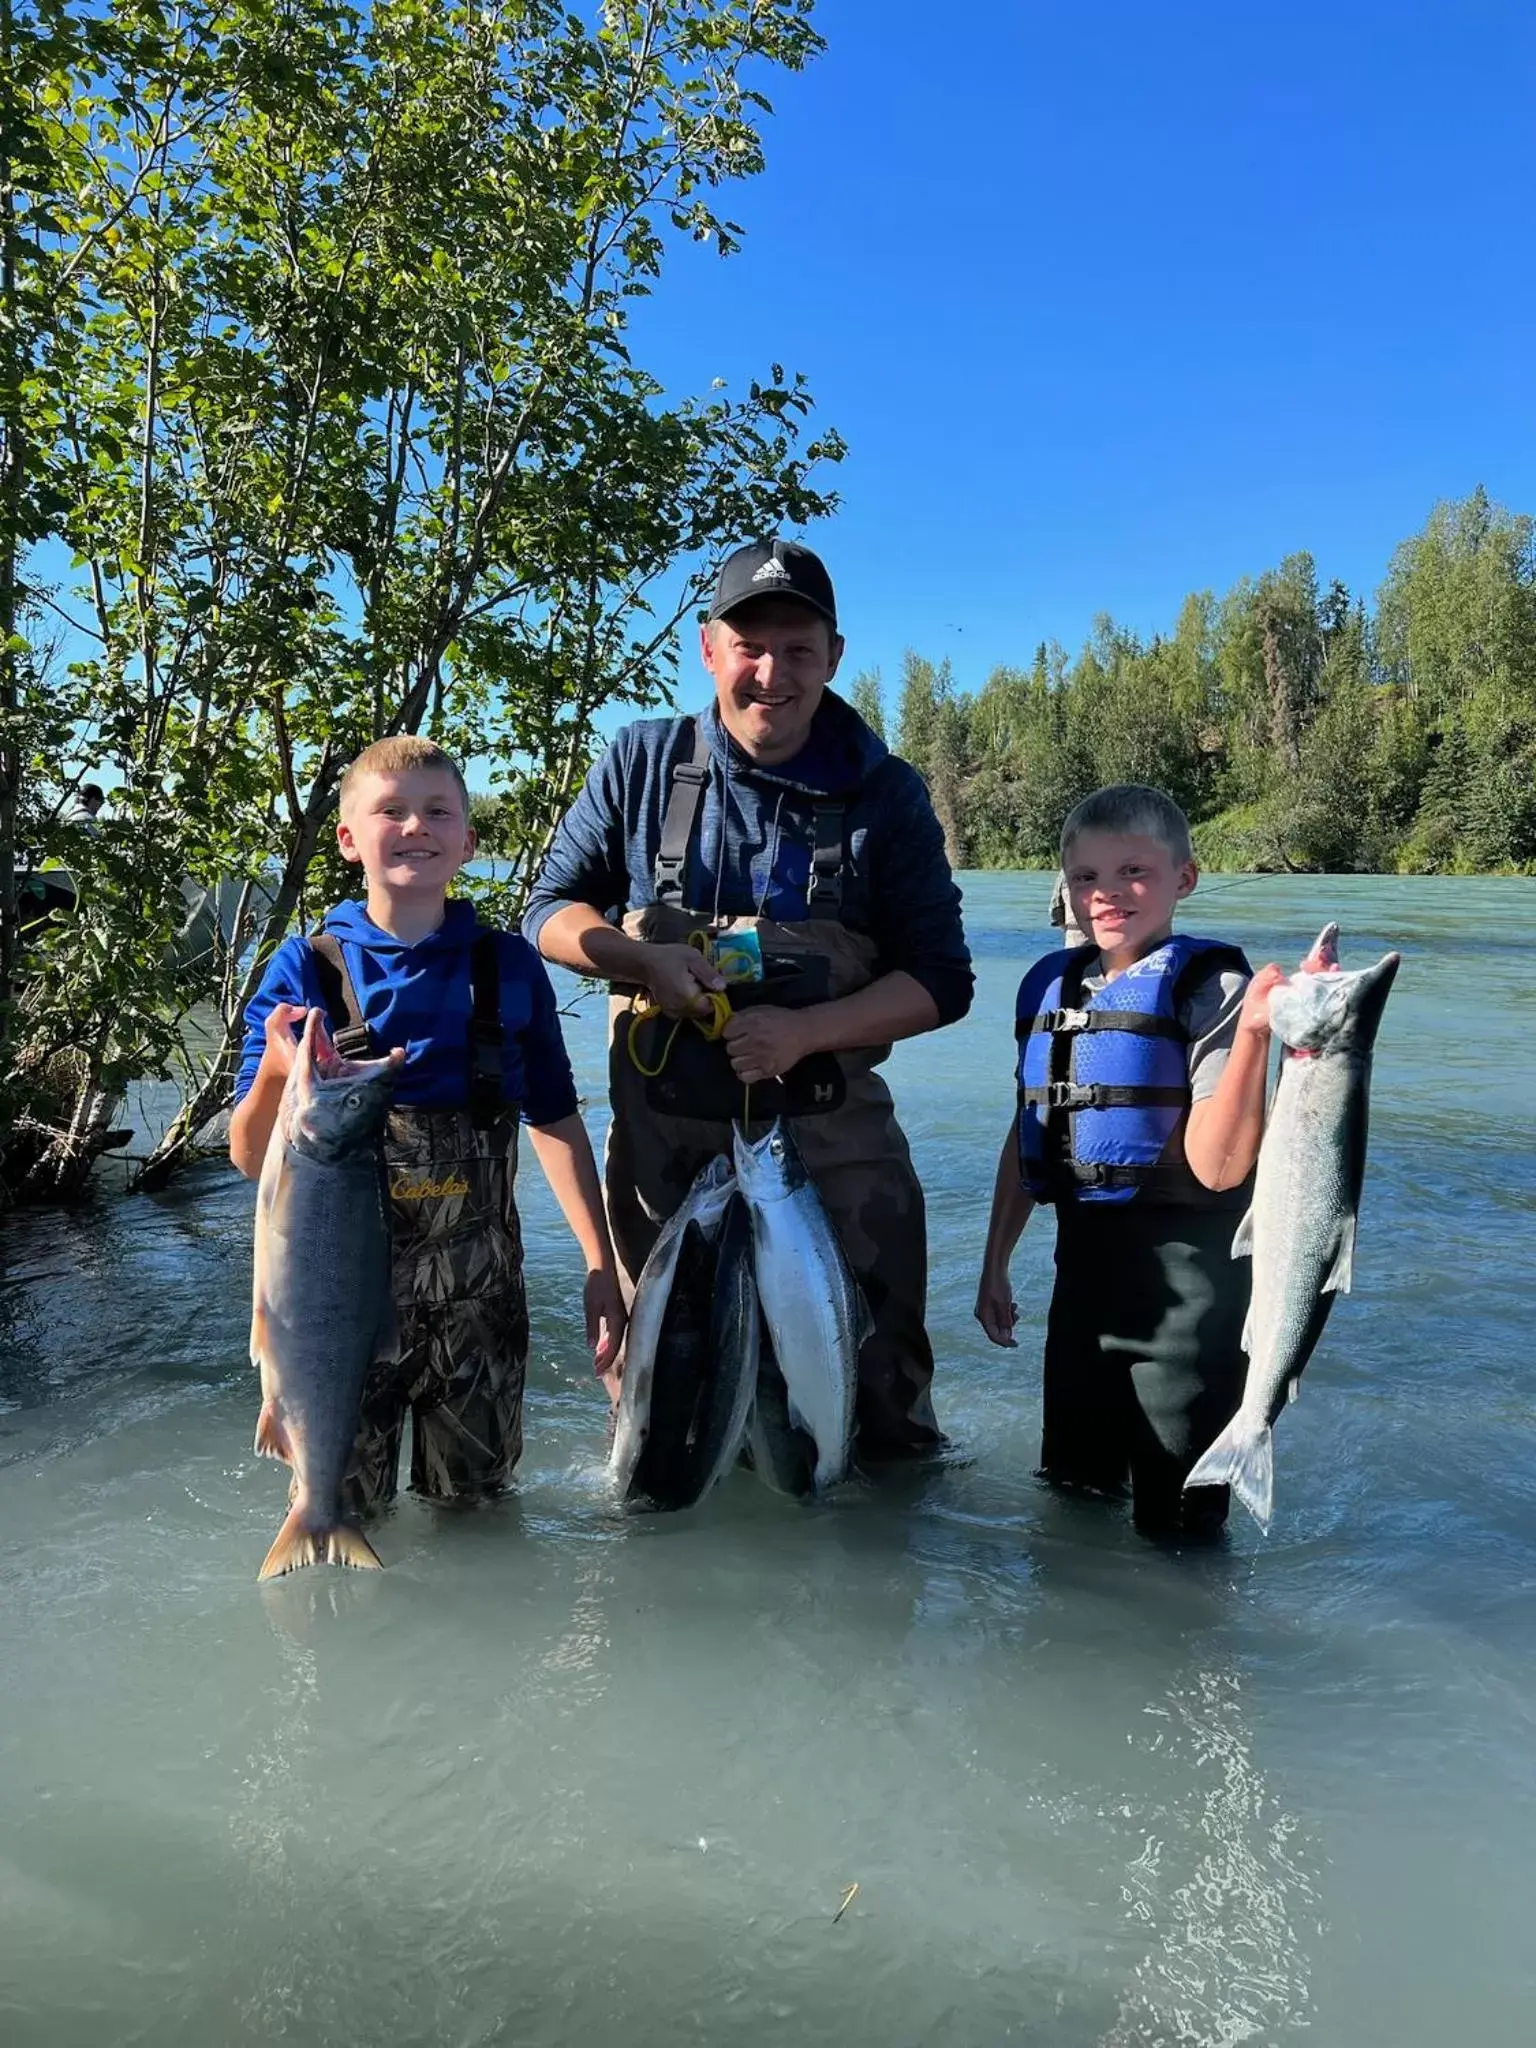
x=322, y=1311
x=1300, y=1232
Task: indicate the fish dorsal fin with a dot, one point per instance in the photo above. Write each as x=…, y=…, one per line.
x=1343, y=1271
x=1242, y=1244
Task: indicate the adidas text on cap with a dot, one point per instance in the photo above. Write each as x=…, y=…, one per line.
x=774, y=568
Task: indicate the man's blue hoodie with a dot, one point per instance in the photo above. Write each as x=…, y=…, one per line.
x=419, y=997
x=751, y=852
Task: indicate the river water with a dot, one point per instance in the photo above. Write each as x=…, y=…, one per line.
x=556, y=1777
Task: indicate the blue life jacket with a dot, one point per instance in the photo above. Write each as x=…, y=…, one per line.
x=1104, y=1082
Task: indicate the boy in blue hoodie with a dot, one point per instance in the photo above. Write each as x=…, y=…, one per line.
x=474, y=1011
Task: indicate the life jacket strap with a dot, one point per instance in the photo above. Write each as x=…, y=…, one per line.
x=1071, y=1095
x=1171, y=1183
x=1067, y=1022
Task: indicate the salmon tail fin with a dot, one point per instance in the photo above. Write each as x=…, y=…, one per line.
x=1243, y=1458
x=299, y=1544
x=350, y=1546
x=296, y=1544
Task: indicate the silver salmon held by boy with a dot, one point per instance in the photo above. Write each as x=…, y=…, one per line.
x=322, y=1310
x=816, y=1316
x=1300, y=1231
x=665, y=1342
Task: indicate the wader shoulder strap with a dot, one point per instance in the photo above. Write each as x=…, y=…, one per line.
x=486, y=1095
x=690, y=778
x=338, y=998
x=825, y=897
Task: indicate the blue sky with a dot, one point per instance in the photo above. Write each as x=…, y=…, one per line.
x=1117, y=301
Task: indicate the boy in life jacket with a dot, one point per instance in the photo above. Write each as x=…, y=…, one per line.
x=475, y=1013
x=1142, y=1061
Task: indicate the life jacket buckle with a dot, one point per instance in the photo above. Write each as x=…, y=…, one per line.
x=1065, y=1020
x=1075, y=1095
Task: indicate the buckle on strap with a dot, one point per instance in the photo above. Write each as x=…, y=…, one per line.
x=1064, y=1020
x=1074, y=1095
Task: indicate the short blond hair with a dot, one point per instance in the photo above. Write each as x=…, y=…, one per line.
x=1130, y=810
x=398, y=756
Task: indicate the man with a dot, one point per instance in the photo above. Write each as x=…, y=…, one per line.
x=88, y=802
x=777, y=820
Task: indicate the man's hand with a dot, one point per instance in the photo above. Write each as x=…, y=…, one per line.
x=765, y=1043
x=996, y=1310
x=678, y=977
x=605, y=1317
x=284, y=1027
x=1254, y=1015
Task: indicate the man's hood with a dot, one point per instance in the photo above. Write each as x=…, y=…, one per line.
x=456, y=933
x=838, y=758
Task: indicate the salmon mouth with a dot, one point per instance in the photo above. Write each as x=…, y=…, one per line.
x=1324, y=956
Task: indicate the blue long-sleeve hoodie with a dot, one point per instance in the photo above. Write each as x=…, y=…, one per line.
x=420, y=997
x=751, y=851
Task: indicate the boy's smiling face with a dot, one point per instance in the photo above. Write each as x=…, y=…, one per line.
x=1124, y=888
x=408, y=830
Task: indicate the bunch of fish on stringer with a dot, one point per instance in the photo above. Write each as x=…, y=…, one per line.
x=1300, y=1230
x=744, y=1336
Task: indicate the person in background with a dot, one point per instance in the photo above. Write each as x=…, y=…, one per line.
x=87, y=805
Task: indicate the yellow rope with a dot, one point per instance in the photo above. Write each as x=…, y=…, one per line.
x=712, y=1027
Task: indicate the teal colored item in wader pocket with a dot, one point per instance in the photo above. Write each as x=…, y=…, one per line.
x=739, y=956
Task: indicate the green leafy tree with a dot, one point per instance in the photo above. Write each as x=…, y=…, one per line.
x=867, y=697
x=328, y=391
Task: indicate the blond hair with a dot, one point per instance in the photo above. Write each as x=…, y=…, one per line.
x=398, y=756
x=1130, y=809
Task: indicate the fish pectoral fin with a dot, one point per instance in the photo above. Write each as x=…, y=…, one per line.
x=271, y=1437
x=259, y=1339
x=1342, y=1273
x=1242, y=1243
x=1246, y=1339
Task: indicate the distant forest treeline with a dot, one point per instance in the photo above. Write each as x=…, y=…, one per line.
x=1299, y=728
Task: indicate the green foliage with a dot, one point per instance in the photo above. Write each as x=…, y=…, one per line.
x=867, y=696
x=321, y=422
x=1298, y=730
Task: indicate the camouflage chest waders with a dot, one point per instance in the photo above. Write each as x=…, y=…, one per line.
x=665, y=1128
x=457, y=1274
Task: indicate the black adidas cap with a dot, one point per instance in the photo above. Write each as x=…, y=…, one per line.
x=774, y=568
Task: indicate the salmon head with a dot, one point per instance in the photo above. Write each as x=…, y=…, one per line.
x=334, y=1107
x=1329, y=1011
x=771, y=1169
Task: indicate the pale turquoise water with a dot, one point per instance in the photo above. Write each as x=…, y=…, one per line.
x=558, y=1778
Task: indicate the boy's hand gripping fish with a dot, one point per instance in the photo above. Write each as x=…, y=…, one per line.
x=322, y=1310
x=1300, y=1231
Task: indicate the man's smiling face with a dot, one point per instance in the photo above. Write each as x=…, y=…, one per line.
x=771, y=661
x=408, y=829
